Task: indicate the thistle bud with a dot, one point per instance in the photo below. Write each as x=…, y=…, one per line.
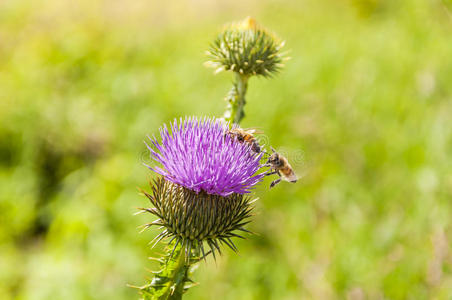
x=246, y=48
x=200, y=194
x=249, y=23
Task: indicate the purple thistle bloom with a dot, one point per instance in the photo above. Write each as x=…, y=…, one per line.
x=198, y=155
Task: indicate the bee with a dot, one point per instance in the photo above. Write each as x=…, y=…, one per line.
x=245, y=136
x=279, y=165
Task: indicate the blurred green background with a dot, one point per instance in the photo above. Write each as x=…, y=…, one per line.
x=363, y=110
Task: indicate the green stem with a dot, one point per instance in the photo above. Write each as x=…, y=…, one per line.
x=179, y=277
x=170, y=282
x=236, y=97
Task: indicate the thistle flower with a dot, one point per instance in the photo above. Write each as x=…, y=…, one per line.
x=246, y=48
x=205, y=174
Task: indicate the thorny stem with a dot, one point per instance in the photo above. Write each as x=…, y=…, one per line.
x=170, y=282
x=236, y=97
x=179, y=277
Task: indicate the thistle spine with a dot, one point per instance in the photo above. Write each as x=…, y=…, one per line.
x=172, y=280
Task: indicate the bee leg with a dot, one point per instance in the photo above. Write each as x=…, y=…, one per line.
x=266, y=165
x=271, y=173
x=265, y=154
x=275, y=182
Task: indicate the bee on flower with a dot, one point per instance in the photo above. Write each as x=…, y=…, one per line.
x=205, y=176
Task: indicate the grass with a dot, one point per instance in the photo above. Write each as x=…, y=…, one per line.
x=363, y=110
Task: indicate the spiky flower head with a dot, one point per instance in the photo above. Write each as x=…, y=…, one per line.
x=205, y=176
x=246, y=48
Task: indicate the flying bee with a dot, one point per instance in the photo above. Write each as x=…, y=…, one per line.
x=279, y=165
x=245, y=136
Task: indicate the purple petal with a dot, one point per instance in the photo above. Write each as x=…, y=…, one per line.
x=199, y=156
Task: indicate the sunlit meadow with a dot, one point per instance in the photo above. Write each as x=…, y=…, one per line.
x=362, y=110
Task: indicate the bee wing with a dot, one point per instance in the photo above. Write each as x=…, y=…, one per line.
x=253, y=130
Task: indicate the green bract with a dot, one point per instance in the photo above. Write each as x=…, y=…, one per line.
x=247, y=49
x=191, y=218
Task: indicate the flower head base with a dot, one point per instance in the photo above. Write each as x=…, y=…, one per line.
x=246, y=48
x=200, y=156
x=192, y=218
